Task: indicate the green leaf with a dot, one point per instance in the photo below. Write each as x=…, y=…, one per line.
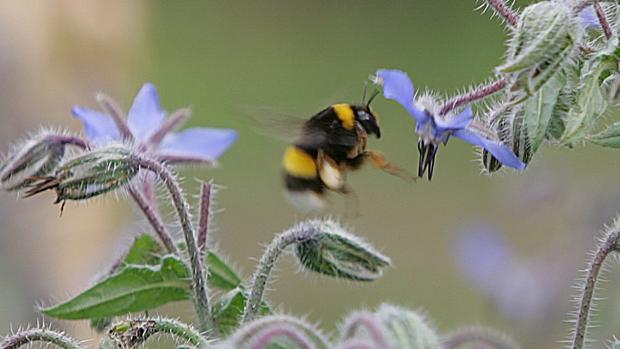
x=539, y=109
x=610, y=137
x=228, y=310
x=145, y=250
x=221, y=275
x=589, y=104
x=134, y=288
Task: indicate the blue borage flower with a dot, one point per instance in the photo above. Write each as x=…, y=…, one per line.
x=146, y=126
x=434, y=129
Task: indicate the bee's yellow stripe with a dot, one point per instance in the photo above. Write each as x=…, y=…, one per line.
x=298, y=163
x=345, y=114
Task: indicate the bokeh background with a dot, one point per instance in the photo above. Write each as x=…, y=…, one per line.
x=468, y=249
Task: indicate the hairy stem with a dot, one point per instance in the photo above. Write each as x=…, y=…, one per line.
x=474, y=95
x=602, y=20
x=154, y=219
x=72, y=140
x=587, y=292
x=133, y=333
x=206, y=191
x=505, y=11
x=27, y=337
x=266, y=264
x=466, y=338
x=199, y=281
x=581, y=5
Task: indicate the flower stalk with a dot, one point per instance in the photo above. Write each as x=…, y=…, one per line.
x=206, y=193
x=609, y=245
x=263, y=270
x=27, y=337
x=154, y=219
x=505, y=11
x=603, y=20
x=199, y=282
x=132, y=333
x=472, y=96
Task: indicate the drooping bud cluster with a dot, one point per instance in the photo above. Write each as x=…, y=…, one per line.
x=561, y=79
x=37, y=157
x=541, y=44
x=88, y=175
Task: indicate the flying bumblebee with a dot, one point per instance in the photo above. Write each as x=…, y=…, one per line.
x=331, y=143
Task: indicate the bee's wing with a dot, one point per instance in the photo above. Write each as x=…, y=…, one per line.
x=288, y=127
x=275, y=124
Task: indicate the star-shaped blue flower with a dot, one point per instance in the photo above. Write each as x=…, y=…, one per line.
x=434, y=129
x=147, y=127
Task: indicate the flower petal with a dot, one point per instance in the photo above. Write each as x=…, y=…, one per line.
x=589, y=19
x=198, y=144
x=98, y=127
x=398, y=87
x=456, y=122
x=146, y=114
x=499, y=151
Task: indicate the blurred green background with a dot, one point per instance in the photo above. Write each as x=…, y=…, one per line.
x=221, y=57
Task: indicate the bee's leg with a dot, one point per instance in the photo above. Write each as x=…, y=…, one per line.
x=330, y=173
x=378, y=160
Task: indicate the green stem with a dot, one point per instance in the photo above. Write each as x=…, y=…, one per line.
x=265, y=265
x=587, y=293
x=132, y=333
x=199, y=281
x=27, y=337
x=154, y=219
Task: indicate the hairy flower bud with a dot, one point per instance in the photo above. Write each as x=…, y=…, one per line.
x=390, y=327
x=541, y=43
x=509, y=124
x=335, y=252
x=89, y=175
x=37, y=157
x=278, y=331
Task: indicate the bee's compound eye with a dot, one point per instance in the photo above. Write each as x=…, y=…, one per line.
x=363, y=116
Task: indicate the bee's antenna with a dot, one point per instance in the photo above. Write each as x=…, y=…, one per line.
x=375, y=94
x=364, y=93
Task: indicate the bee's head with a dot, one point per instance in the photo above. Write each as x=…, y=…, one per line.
x=367, y=117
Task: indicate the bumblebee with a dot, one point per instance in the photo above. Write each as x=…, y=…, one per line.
x=331, y=143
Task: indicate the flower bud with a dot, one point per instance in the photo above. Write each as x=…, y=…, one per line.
x=37, y=157
x=89, y=175
x=277, y=331
x=406, y=329
x=390, y=327
x=542, y=41
x=511, y=129
x=333, y=251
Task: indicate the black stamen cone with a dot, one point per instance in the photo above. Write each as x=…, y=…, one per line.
x=422, y=158
x=427, y=159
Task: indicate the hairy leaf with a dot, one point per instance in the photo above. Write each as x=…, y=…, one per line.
x=610, y=137
x=590, y=103
x=539, y=109
x=134, y=288
x=228, y=310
